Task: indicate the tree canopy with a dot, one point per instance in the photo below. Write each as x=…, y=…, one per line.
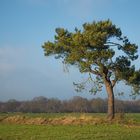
x=94, y=49
x=99, y=48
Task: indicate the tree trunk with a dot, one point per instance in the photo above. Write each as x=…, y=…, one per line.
x=111, y=111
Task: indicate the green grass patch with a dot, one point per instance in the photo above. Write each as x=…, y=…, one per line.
x=68, y=132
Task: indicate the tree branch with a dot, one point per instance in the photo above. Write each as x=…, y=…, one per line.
x=113, y=82
x=94, y=71
x=113, y=44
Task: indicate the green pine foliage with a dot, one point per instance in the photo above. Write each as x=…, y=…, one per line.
x=94, y=50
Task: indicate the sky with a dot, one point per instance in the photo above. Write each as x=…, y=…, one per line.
x=26, y=24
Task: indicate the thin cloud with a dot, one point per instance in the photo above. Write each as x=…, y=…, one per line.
x=36, y=2
x=78, y=8
x=9, y=56
x=82, y=8
x=5, y=65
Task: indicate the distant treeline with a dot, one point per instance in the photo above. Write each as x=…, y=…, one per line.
x=76, y=104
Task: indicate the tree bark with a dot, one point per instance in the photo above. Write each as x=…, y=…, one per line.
x=111, y=109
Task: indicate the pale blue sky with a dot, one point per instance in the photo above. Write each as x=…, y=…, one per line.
x=26, y=24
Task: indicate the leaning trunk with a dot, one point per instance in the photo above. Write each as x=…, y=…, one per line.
x=111, y=111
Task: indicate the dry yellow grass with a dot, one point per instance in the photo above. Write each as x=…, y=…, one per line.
x=67, y=120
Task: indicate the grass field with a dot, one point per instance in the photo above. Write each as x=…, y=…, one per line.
x=105, y=131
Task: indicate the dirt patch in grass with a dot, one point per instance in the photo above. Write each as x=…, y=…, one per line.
x=65, y=120
x=24, y=120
